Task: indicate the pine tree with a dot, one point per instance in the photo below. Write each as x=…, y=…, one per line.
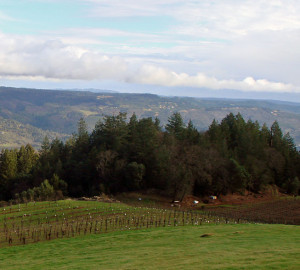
x=176, y=126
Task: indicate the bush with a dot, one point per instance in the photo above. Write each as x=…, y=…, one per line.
x=292, y=186
x=47, y=191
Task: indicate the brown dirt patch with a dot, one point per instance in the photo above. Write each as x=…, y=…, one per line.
x=283, y=211
x=269, y=194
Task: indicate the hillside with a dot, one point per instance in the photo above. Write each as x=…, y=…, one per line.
x=59, y=111
x=13, y=134
x=97, y=235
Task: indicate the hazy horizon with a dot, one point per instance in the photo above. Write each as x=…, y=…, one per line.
x=201, y=93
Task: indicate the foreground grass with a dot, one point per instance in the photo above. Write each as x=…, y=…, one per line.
x=242, y=246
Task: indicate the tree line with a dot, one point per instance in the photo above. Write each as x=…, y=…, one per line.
x=122, y=154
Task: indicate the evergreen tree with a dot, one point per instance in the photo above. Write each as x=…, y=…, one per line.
x=27, y=158
x=176, y=126
x=118, y=155
x=8, y=164
x=45, y=145
x=275, y=136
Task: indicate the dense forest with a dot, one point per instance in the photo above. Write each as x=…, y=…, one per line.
x=123, y=154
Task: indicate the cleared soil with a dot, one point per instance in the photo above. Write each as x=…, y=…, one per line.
x=280, y=211
x=270, y=206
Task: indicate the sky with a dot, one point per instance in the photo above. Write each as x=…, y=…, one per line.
x=226, y=48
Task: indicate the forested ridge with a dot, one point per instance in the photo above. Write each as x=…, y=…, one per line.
x=122, y=154
x=28, y=115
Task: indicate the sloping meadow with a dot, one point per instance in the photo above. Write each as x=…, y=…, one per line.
x=43, y=221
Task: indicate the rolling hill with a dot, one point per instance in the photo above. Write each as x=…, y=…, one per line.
x=27, y=115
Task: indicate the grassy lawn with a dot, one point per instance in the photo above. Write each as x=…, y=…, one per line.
x=241, y=246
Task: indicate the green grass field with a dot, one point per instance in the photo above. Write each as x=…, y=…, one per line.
x=240, y=246
x=97, y=235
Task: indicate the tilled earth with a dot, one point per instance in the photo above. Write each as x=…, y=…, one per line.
x=283, y=211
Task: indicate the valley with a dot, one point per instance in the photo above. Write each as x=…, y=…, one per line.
x=28, y=115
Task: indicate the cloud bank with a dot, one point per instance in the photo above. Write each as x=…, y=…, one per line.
x=239, y=45
x=53, y=60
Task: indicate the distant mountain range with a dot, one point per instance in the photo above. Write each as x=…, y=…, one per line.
x=27, y=115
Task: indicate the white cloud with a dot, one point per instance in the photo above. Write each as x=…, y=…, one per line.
x=240, y=17
x=54, y=60
x=51, y=59
x=207, y=17
x=221, y=38
x=159, y=76
x=212, y=44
